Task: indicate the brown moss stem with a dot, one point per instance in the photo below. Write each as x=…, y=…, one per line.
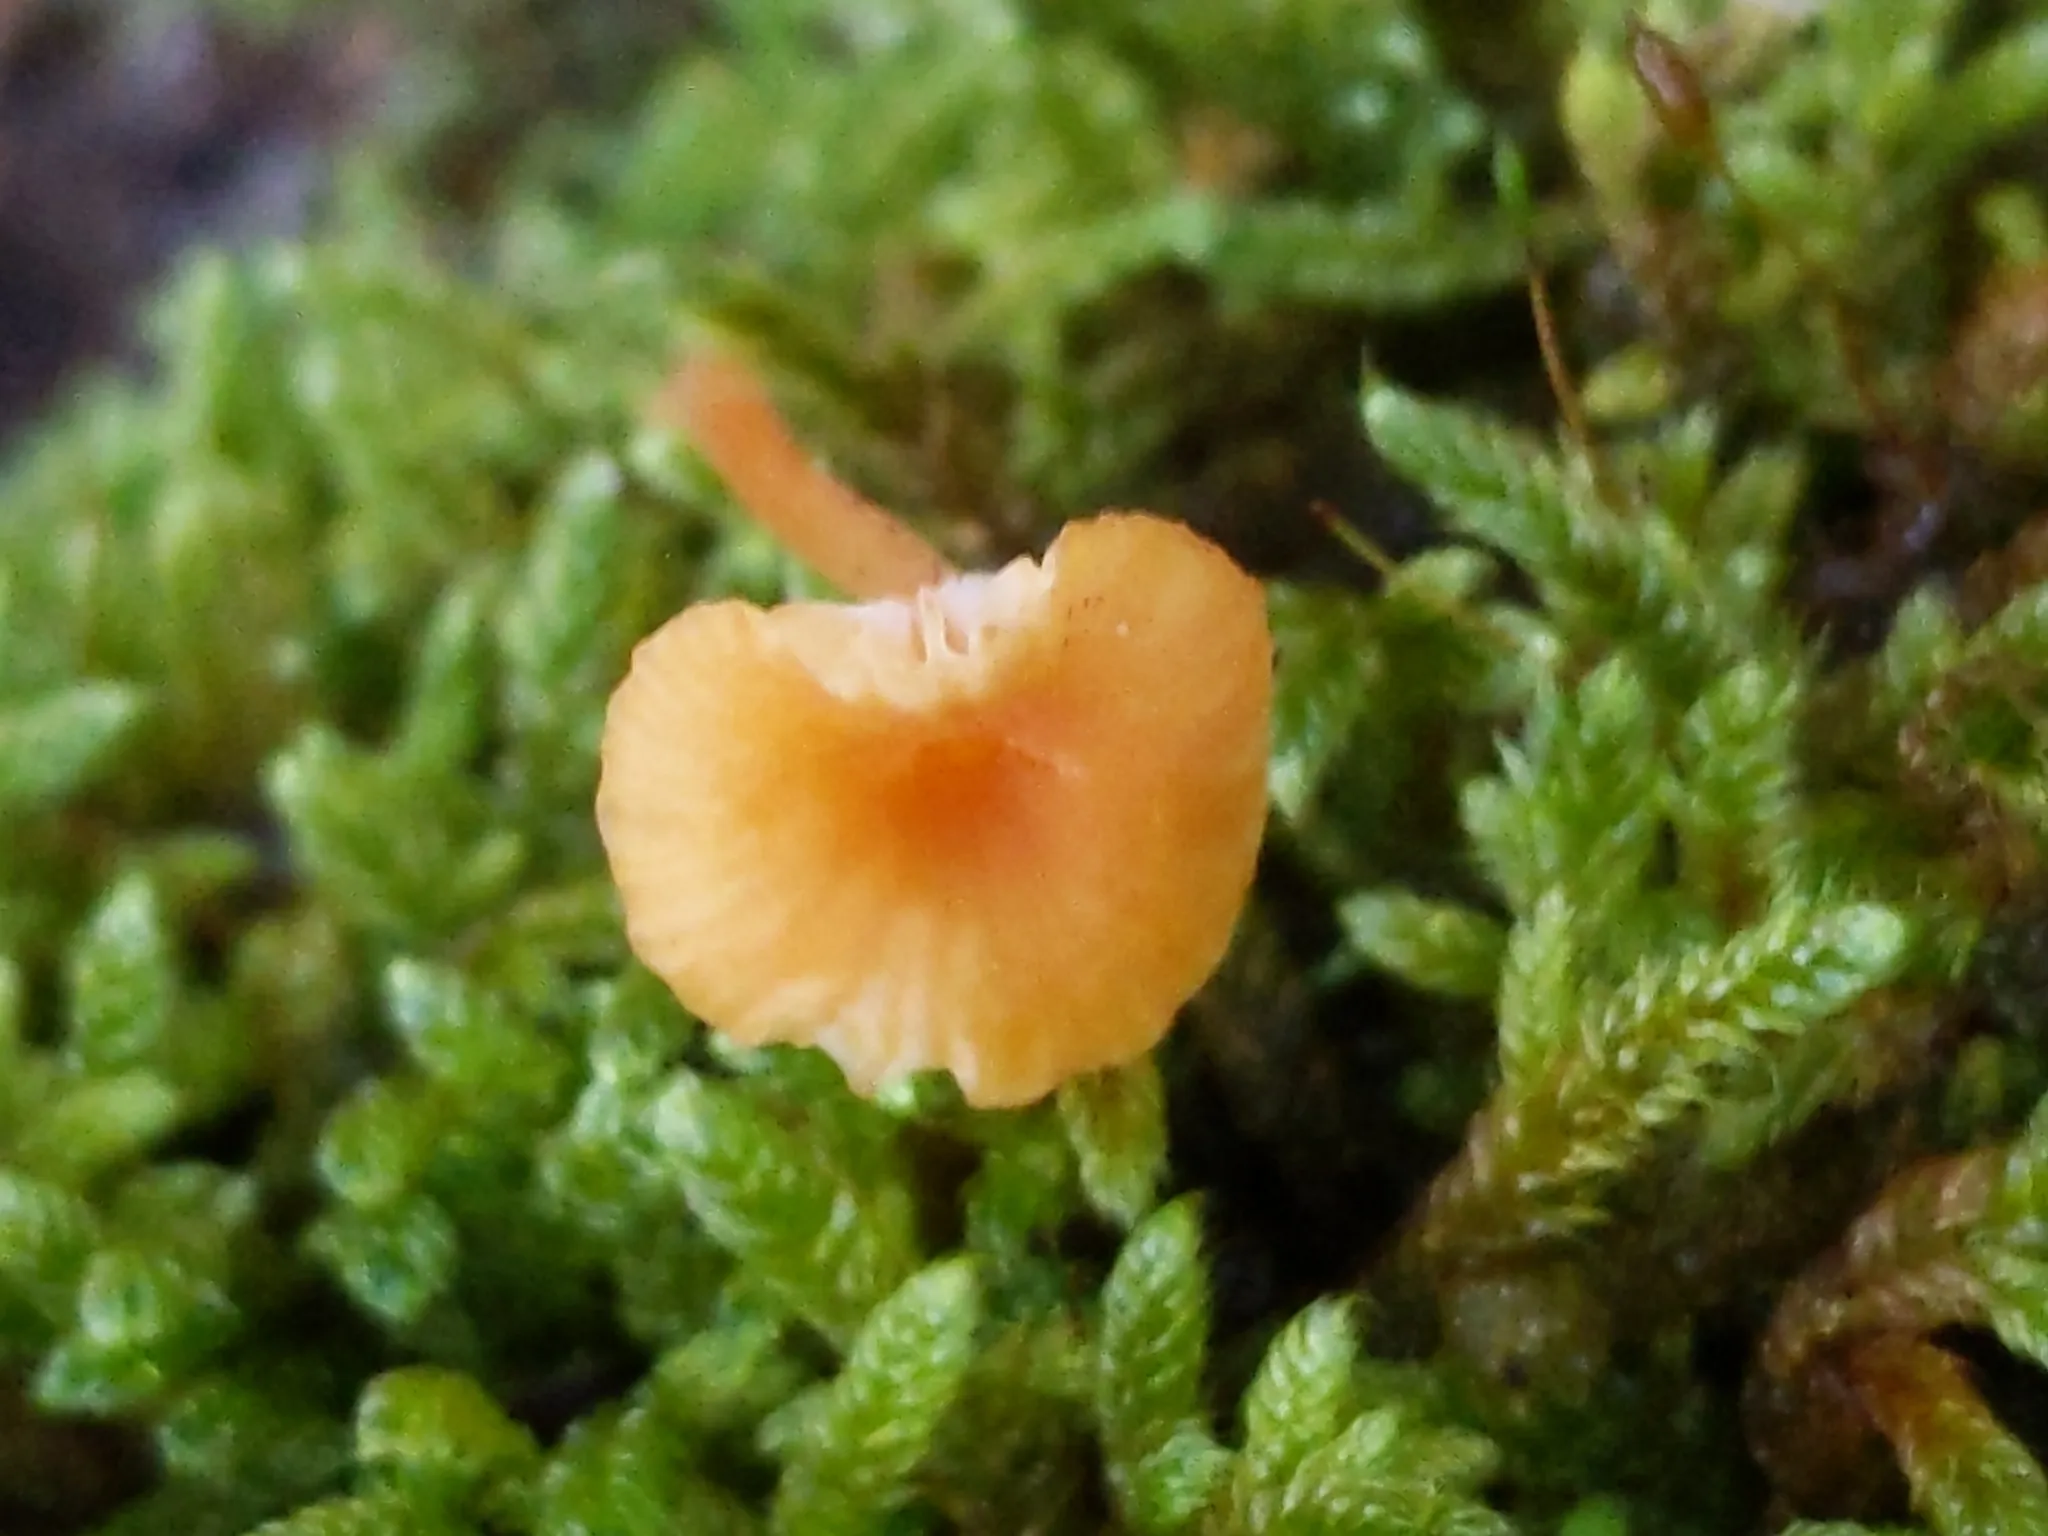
x=1900, y=1269
x=1846, y=1358
x=1923, y=1403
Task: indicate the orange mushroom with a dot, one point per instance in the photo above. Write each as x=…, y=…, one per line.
x=1000, y=824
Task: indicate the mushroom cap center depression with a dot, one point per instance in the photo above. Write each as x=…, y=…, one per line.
x=948, y=764
x=964, y=777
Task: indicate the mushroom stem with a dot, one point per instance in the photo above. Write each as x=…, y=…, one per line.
x=860, y=548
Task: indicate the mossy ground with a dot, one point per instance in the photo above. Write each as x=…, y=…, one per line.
x=1622, y=1109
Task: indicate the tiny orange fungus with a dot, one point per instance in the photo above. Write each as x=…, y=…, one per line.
x=1000, y=824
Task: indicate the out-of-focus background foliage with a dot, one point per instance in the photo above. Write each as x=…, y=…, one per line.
x=1622, y=1110
x=133, y=131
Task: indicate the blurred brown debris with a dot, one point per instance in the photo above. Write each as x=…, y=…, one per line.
x=127, y=133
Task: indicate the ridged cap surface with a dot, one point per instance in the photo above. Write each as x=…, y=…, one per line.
x=1002, y=827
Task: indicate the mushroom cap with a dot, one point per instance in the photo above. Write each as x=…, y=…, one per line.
x=1003, y=826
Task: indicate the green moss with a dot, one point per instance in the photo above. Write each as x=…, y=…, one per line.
x=1610, y=1113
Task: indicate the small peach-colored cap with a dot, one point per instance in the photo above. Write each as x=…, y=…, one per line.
x=1002, y=825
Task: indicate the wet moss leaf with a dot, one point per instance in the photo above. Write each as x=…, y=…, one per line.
x=124, y=981
x=1164, y=1464
x=1116, y=1121
x=438, y=1430
x=824, y=1238
x=1435, y=946
x=53, y=746
x=867, y=1430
